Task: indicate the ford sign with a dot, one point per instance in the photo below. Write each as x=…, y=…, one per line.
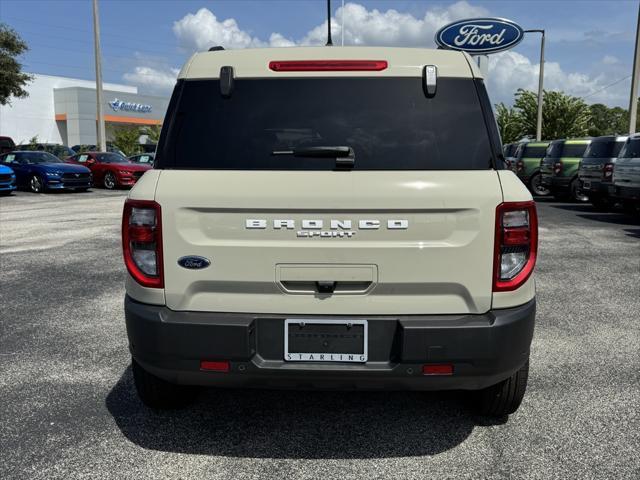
x=480, y=35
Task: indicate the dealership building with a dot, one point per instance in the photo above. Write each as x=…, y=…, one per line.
x=63, y=110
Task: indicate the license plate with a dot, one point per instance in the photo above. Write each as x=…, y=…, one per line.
x=311, y=340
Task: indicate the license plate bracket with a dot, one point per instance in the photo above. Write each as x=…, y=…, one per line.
x=326, y=340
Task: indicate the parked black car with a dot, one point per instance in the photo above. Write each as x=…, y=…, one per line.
x=596, y=169
x=143, y=158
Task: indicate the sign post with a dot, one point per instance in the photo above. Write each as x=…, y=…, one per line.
x=540, y=86
x=102, y=141
x=633, y=100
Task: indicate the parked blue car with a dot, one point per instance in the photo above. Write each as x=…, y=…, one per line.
x=42, y=171
x=7, y=180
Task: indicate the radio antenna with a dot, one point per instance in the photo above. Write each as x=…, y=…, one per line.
x=329, y=42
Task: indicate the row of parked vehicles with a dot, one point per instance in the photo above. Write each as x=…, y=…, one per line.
x=40, y=171
x=603, y=170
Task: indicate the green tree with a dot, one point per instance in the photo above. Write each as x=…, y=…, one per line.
x=509, y=123
x=127, y=139
x=152, y=132
x=12, y=79
x=609, y=121
x=563, y=116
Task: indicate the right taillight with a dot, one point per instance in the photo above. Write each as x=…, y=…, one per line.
x=520, y=165
x=142, y=242
x=607, y=172
x=516, y=244
x=557, y=168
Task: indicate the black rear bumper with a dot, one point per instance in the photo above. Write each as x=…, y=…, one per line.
x=484, y=349
x=624, y=193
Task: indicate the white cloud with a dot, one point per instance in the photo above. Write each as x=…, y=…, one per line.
x=511, y=70
x=508, y=71
x=153, y=80
x=203, y=29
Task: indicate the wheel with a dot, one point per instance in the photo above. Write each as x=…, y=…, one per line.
x=536, y=187
x=630, y=207
x=505, y=397
x=576, y=192
x=109, y=181
x=158, y=393
x=35, y=184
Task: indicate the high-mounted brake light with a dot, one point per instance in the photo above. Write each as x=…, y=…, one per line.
x=142, y=242
x=327, y=65
x=516, y=245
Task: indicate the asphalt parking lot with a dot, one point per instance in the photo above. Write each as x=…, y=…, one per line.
x=69, y=410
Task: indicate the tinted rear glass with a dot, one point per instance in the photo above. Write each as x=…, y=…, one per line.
x=560, y=149
x=388, y=122
x=533, y=152
x=631, y=149
x=111, y=158
x=603, y=149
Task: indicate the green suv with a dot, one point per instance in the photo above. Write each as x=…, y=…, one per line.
x=559, y=168
x=527, y=165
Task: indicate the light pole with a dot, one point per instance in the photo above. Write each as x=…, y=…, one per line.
x=633, y=99
x=102, y=142
x=540, y=85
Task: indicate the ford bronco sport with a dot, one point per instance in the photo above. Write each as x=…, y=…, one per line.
x=315, y=221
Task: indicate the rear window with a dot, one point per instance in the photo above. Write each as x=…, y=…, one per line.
x=604, y=149
x=111, y=158
x=388, y=122
x=533, y=152
x=631, y=149
x=561, y=149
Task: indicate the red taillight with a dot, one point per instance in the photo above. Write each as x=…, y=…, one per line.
x=516, y=245
x=520, y=165
x=327, y=65
x=557, y=168
x=607, y=172
x=215, y=366
x=437, y=369
x=142, y=242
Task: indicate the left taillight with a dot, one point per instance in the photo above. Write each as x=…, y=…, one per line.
x=557, y=168
x=607, y=172
x=142, y=242
x=516, y=245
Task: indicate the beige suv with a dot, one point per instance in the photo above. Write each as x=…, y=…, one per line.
x=330, y=218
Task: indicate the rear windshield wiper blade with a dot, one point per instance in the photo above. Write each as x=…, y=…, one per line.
x=317, y=152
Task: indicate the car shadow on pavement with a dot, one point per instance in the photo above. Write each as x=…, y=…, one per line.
x=297, y=424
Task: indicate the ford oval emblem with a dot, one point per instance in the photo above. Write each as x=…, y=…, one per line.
x=480, y=35
x=193, y=262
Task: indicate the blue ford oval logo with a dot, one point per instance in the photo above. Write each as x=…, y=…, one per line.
x=193, y=262
x=480, y=35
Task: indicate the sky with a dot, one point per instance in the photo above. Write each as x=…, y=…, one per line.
x=589, y=44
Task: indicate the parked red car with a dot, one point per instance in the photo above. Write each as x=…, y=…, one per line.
x=110, y=170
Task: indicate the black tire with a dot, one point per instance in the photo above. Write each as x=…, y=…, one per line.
x=630, y=207
x=505, y=397
x=576, y=193
x=36, y=185
x=158, y=393
x=109, y=181
x=535, y=186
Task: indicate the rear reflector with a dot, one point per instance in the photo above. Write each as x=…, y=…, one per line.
x=214, y=366
x=437, y=369
x=327, y=65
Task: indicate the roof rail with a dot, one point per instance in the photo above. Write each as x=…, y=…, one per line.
x=217, y=48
